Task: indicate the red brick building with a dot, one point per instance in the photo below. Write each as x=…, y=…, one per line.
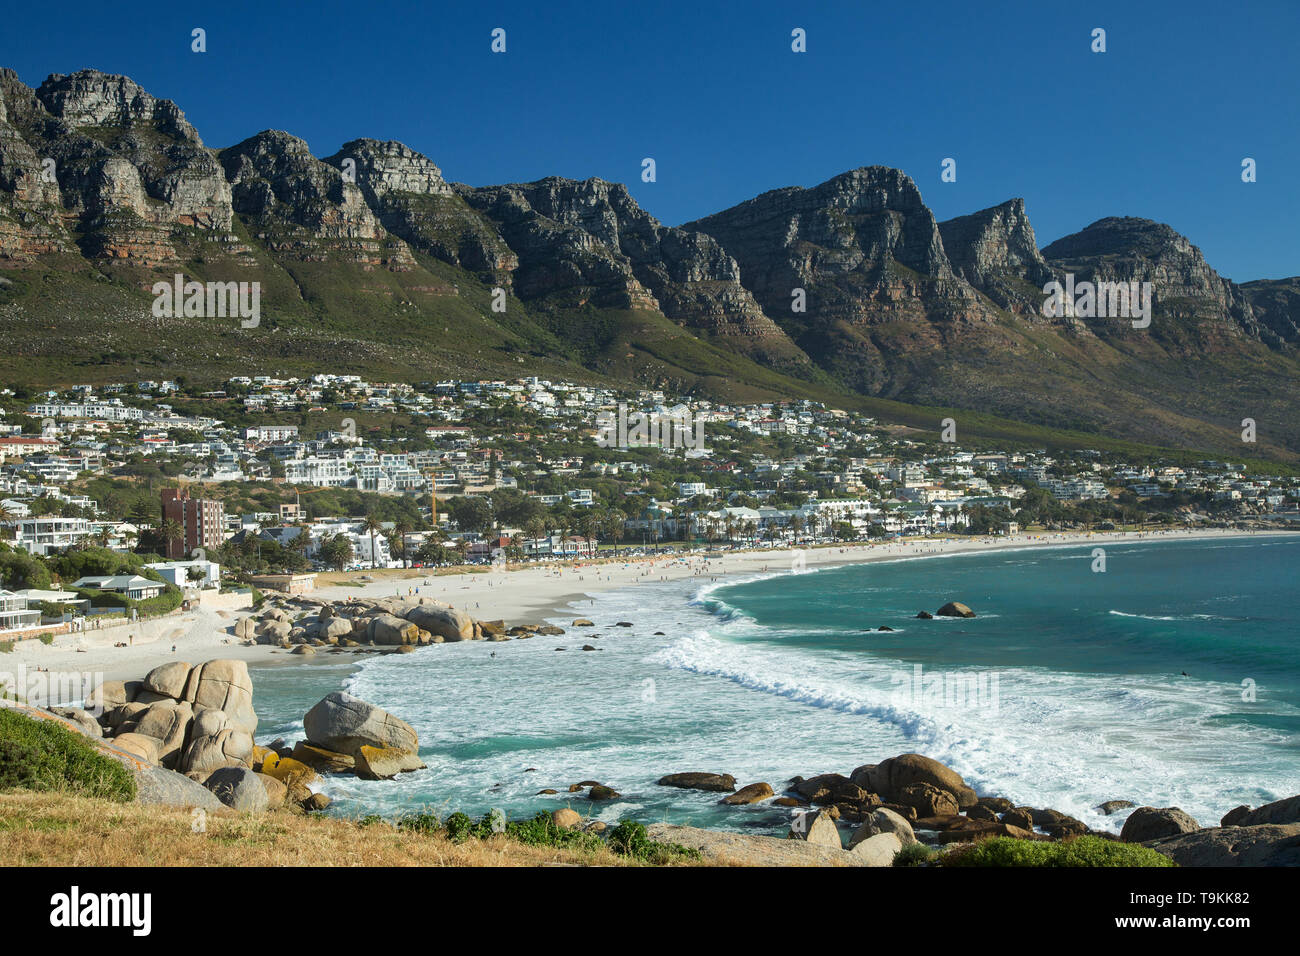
x=204, y=522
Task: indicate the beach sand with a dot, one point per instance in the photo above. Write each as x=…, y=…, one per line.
x=527, y=595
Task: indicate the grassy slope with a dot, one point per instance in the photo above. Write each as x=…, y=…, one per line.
x=63, y=323
x=62, y=830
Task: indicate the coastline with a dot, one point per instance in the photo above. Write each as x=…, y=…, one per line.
x=530, y=595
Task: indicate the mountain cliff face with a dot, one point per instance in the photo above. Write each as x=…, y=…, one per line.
x=123, y=171
x=868, y=256
x=1276, y=304
x=371, y=257
x=995, y=250
x=589, y=242
x=1195, y=306
x=412, y=200
x=301, y=207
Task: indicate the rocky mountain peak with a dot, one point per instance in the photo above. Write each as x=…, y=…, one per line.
x=1185, y=289
x=1124, y=236
x=92, y=98
x=383, y=167
x=995, y=250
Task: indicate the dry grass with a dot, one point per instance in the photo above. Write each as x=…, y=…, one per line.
x=44, y=829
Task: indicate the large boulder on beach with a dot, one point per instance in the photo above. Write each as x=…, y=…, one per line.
x=891, y=776
x=168, y=679
x=566, y=819
x=112, y=694
x=239, y=788
x=87, y=724
x=122, y=718
x=384, y=763
x=158, y=786
x=334, y=629
x=343, y=723
x=224, y=685
x=818, y=828
x=1280, y=811
x=390, y=630
x=829, y=788
x=276, y=792
x=246, y=628
x=928, y=800
x=1151, y=823
x=274, y=632
x=753, y=793
x=878, y=849
x=215, y=743
x=445, y=622
x=323, y=760
x=954, y=609
x=883, y=820
x=718, y=782
x=722, y=847
x=168, y=721
x=1268, y=844
x=138, y=745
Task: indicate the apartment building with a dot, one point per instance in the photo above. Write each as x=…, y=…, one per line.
x=202, y=519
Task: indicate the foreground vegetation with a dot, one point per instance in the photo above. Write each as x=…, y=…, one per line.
x=44, y=756
x=1080, y=851
x=58, y=829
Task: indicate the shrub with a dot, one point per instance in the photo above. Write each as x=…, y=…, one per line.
x=459, y=827
x=44, y=755
x=1081, y=851
x=627, y=839
x=914, y=854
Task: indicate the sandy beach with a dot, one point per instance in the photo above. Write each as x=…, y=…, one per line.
x=526, y=595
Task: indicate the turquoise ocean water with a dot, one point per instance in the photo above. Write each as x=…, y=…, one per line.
x=1173, y=678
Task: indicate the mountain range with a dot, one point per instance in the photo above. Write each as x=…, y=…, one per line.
x=850, y=292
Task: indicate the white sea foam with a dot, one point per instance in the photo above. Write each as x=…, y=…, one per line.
x=720, y=692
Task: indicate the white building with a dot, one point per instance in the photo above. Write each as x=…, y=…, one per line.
x=178, y=573
x=46, y=535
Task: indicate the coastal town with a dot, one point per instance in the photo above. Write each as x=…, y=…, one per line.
x=268, y=475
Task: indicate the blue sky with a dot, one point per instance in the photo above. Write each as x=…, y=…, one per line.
x=1157, y=126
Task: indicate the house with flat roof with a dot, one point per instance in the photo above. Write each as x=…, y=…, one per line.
x=129, y=585
x=14, y=613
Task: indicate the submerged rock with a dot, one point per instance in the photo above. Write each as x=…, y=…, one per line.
x=721, y=782
x=1114, y=806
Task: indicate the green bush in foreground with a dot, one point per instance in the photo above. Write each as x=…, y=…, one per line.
x=627, y=839
x=44, y=755
x=1082, y=851
x=914, y=854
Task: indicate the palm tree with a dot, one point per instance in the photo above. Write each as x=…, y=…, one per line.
x=534, y=528
x=372, y=526
x=401, y=528
x=6, y=517
x=171, y=530
x=614, y=526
